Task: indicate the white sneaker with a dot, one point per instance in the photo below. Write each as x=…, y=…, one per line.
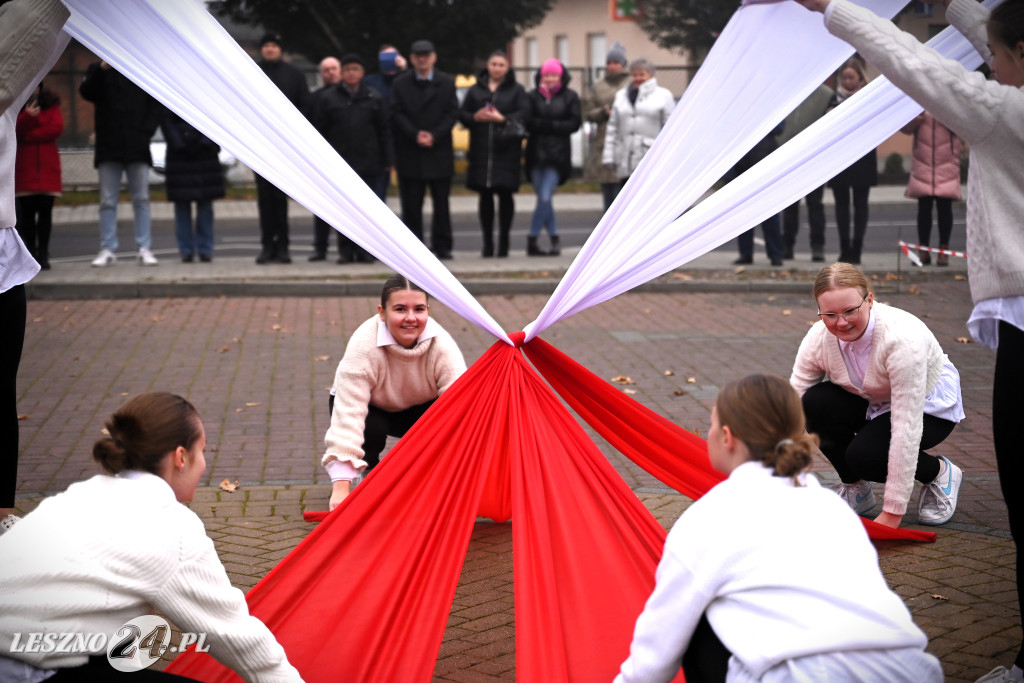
x=858, y=496
x=104, y=259
x=146, y=257
x=7, y=522
x=1000, y=674
x=937, y=501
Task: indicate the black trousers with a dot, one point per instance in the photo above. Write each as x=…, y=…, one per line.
x=13, y=312
x=857, y=447
x=35, y=222
x=850, y=249
x=380, y=424
x=99, y=669
x=411, y=192
x=944, y=208
x=1007, y=404
x=815, y=219
x=506, y=211
x=273, y=208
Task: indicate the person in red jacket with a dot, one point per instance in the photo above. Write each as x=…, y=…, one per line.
x=37, y=171
x=934, y=178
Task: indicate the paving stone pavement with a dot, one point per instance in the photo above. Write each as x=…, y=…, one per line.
x=259, y=370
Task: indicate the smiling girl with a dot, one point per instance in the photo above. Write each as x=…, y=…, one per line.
x=395, y=366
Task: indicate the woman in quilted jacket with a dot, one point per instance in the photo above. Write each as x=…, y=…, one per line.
x=934, y=179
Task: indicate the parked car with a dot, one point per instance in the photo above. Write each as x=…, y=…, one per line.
x=235, y=172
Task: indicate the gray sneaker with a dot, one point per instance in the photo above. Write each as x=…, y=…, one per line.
x=858, y=496
x=8, y=521
x=937, y=501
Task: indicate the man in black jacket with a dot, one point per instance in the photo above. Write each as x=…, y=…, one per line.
x=354, y=119
x=125, y=119
x=272, y=202
x=424, y=110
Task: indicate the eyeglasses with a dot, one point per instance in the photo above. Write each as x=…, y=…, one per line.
x=847, y=314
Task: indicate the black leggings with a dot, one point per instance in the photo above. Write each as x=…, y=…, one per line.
x=944, y=207
x=857, y=447
x=706, y=659
x=1007, y=404
x=35, y=222
x=13, y=312
x=850, y=248
x=380, y=424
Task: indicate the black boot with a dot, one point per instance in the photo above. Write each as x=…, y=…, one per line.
x=556, y=246
x=488, y=249
x=532, y=249
x=503, y=241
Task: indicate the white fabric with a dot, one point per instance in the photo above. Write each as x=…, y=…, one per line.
x=984, y=321
x=645, y=233
x=773, y=596
x=178, y=53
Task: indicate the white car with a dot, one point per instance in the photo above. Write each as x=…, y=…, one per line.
x=235, y=172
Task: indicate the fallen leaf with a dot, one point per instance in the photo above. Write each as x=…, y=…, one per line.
x=629, y=391
x=959, y=277
x=124, y=393
x=691, y=380
x=37, y=320
x=772, y=298
x=23, y=416
x=622, y=379
x=681, y=276
x=238, y=410
x=156, y=318
x=226, y=485
x=963, y=340
x=253, y=404
x=277, y=328
x=669, y=373
x=224, y=349
x=913, y=289
x=889, y=277
x=936, y=596
x=237, y=340
x=786, y=311
x=740, y=270
x=320, y=358
x=680, y=392
x=647, y=311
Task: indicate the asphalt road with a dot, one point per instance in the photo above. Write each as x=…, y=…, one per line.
x=235, y=237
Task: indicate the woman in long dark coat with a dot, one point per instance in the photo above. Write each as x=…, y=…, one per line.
x=194, y=174
x=495, y=111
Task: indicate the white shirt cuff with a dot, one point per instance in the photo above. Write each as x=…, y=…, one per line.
x=341, y=470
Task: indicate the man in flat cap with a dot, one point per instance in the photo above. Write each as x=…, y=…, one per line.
x=353, y=117
x=424, y=109
x=272, y=202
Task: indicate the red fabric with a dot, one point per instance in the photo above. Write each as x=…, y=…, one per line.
x=662, y=448
x=37, y=160
x=365, y=597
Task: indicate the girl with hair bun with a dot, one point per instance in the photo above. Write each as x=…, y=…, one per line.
x=769, y=576
x=135, y=550
x=395, y=366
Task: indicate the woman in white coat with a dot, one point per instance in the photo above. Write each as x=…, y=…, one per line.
x=639, y=112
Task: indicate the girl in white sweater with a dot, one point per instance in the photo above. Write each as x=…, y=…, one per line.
x=395, y=366
x=112, y=548
x=986, y=114
x=770, y=577
x=878, y=391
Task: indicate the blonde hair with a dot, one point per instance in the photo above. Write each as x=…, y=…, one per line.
x=840, y=275
x=765, y=413
x=857, y=66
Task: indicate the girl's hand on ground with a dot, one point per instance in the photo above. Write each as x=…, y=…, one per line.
x=889, y=519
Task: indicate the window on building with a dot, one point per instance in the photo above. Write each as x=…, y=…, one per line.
x=532, y=53
x=597, y=50
x=562, y=49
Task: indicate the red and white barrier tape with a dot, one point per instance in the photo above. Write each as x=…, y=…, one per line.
x=912, y=255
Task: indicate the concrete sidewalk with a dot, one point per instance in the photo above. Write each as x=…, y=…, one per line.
x=259, y=368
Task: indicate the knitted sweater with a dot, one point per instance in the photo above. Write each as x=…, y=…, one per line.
x=30, y=29
x=390, y=377
x=102, y=553
x=984, y=113
x=797, y=578
x=905, y=364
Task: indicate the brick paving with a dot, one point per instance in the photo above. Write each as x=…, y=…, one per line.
x=259, y=370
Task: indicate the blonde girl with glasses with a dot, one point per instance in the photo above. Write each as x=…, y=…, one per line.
x=879, y=392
